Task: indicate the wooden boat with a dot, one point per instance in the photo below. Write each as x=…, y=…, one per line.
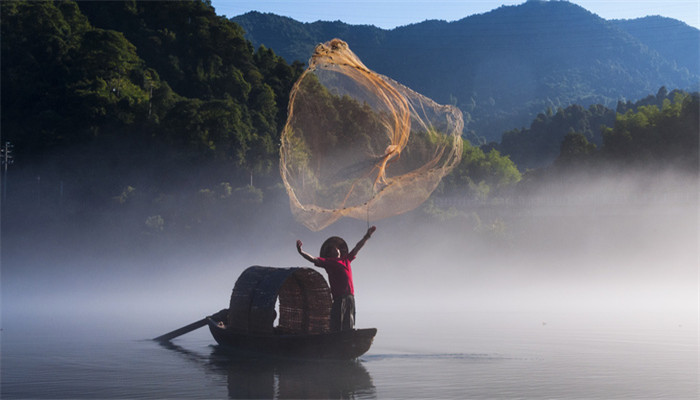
x=285, y=312
x=332, y=345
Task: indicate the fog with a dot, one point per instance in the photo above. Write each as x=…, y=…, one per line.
x=618, y=249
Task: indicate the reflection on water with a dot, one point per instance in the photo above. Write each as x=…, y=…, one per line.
x=488, y=357
x=251, y=377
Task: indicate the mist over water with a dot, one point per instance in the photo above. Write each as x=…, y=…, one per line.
x=578, y=269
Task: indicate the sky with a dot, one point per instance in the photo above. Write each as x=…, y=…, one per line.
x=389, y=14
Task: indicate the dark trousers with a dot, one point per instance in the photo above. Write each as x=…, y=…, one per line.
x=343, y=313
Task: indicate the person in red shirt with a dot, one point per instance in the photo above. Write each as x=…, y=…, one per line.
x=336, y=259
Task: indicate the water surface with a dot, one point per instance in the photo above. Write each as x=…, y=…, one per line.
x=493, y=356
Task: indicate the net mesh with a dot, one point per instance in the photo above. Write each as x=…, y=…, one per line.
x=358, y=144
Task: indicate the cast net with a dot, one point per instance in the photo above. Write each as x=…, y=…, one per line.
x=358, y=144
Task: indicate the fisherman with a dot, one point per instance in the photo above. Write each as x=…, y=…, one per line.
x=336, y=259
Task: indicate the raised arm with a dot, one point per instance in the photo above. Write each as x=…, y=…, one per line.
x=361, y=243
x=304, y=254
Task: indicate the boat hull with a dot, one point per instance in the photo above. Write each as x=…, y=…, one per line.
x=343, y=345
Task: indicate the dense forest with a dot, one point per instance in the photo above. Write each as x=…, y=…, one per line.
x=161, y=117
x=161, y=107
x=539, y=145
x=135, y=101
x=171, y=74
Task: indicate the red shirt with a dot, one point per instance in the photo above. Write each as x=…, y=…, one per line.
x=339, y=275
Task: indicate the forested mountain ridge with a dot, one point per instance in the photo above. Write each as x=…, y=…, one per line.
x=295, y=41
x=503, y=67
x=161, y=116
x=162, y=110
x=157, y=109
x=672, y=39
x=168, y=74
x=544, y=141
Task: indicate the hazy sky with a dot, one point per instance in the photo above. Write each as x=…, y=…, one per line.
x=388, y=14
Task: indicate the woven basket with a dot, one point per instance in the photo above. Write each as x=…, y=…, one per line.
x=304, y=301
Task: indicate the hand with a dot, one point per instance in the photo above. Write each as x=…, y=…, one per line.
x=299, y=246
x=370, y=231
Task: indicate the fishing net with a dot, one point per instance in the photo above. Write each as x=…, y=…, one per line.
x=358, y=144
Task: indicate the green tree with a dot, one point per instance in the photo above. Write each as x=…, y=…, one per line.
x=481, y=173
x=576, y=151
x=653, y=136
x=540, y=144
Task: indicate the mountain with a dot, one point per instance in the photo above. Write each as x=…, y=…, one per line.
x=504, y=67
x=295, y=41
x=672, y=39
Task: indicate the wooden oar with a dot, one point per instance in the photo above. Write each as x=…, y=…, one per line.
x=218, y=316
x=179, y=332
